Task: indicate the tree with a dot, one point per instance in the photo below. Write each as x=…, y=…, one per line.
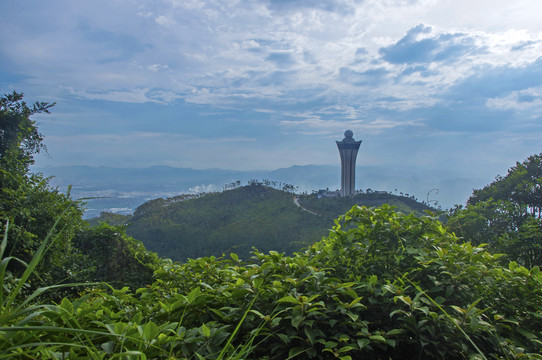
x=108, y=254
x=19, y=136
x=26, y=199
x=506, y=213
x=522, y=186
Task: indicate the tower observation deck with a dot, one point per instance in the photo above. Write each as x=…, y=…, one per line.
x=348, y=149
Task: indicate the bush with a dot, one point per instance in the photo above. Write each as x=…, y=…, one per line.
x=107, y=254
x=381, y=285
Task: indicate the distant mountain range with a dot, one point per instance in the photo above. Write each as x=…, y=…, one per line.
x=121, y=190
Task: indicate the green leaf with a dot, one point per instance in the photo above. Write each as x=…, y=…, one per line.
x=260, y=315
x=393, y=332
x=390, y=342
x=308, y=334
x=136, y=319
x=257, y=282
x=406, y=299
x=67, y=306
x=193, y=295
x=295, y=351
x=345, y=349
x=363, y=343
x=285, y=338
x=108, y=347
x=379, y=338
x=352, y=316
x=150, y=331
x=390, y=287
x=347, y=285
x=459, y=310
x=205, y=331
x=289, y=299
x=296, y=320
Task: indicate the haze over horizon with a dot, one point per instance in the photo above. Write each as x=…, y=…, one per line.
x=262, y=84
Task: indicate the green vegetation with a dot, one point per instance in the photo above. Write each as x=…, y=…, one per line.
x=110, y=219
x=506, y=214
x=106, y=253
x=331, y=208
x=231, y=221
x=32, y=209
x=26, y=199
x=381, y=285
x=241, y=218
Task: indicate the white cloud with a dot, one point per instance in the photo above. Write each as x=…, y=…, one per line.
x=128, y=96
x=203, y=188
x=223, y=46
x=523, y=100
x=317, y=126
x=163, y=20
x=296, y=68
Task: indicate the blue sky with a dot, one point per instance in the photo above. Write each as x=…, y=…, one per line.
x=263, y=84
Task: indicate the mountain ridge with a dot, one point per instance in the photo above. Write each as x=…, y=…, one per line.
x=123, y=189
x=243, y=218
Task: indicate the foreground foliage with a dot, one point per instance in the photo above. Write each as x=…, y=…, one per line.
x=27, y=200
x=106, y=253
x=32, y=208
x=381, y=285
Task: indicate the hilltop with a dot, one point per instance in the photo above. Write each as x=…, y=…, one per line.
x=236, y=220
x=122, y=190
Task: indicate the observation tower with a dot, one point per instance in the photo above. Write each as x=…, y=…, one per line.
x=348, y=149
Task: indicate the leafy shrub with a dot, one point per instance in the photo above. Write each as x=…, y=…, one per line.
x=108, y=254
x=381, y=285
x=506, y=214
x=27, y=201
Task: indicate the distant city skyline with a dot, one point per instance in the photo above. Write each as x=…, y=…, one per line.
x=250, y=85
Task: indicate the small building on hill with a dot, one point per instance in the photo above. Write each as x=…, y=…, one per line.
x=328, y=194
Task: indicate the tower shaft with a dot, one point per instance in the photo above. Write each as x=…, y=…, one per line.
x=348, y=149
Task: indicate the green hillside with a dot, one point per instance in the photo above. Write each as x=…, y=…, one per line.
x=110, y=219
x=334, y=207
x=231, y=221
x=237, y=220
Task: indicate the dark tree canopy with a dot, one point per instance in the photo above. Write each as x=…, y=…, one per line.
x=19, y=135
x=522, y=186
x=506, y=213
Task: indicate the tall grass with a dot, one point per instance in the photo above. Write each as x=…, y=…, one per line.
x=21, y=335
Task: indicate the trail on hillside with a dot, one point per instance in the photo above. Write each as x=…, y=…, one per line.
x=296, y=202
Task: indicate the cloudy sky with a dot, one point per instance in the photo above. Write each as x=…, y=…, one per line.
x=264, y=84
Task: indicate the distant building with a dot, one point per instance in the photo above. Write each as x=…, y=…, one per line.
x=348, y=149
x=328, y=194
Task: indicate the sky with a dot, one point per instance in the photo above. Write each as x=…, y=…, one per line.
x=265, y=84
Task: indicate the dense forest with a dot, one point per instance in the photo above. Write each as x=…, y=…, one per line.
x=382, y=284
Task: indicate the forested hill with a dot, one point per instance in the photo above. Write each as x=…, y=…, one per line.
x=242, y=218
x=231, y=221
x=333, y=207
